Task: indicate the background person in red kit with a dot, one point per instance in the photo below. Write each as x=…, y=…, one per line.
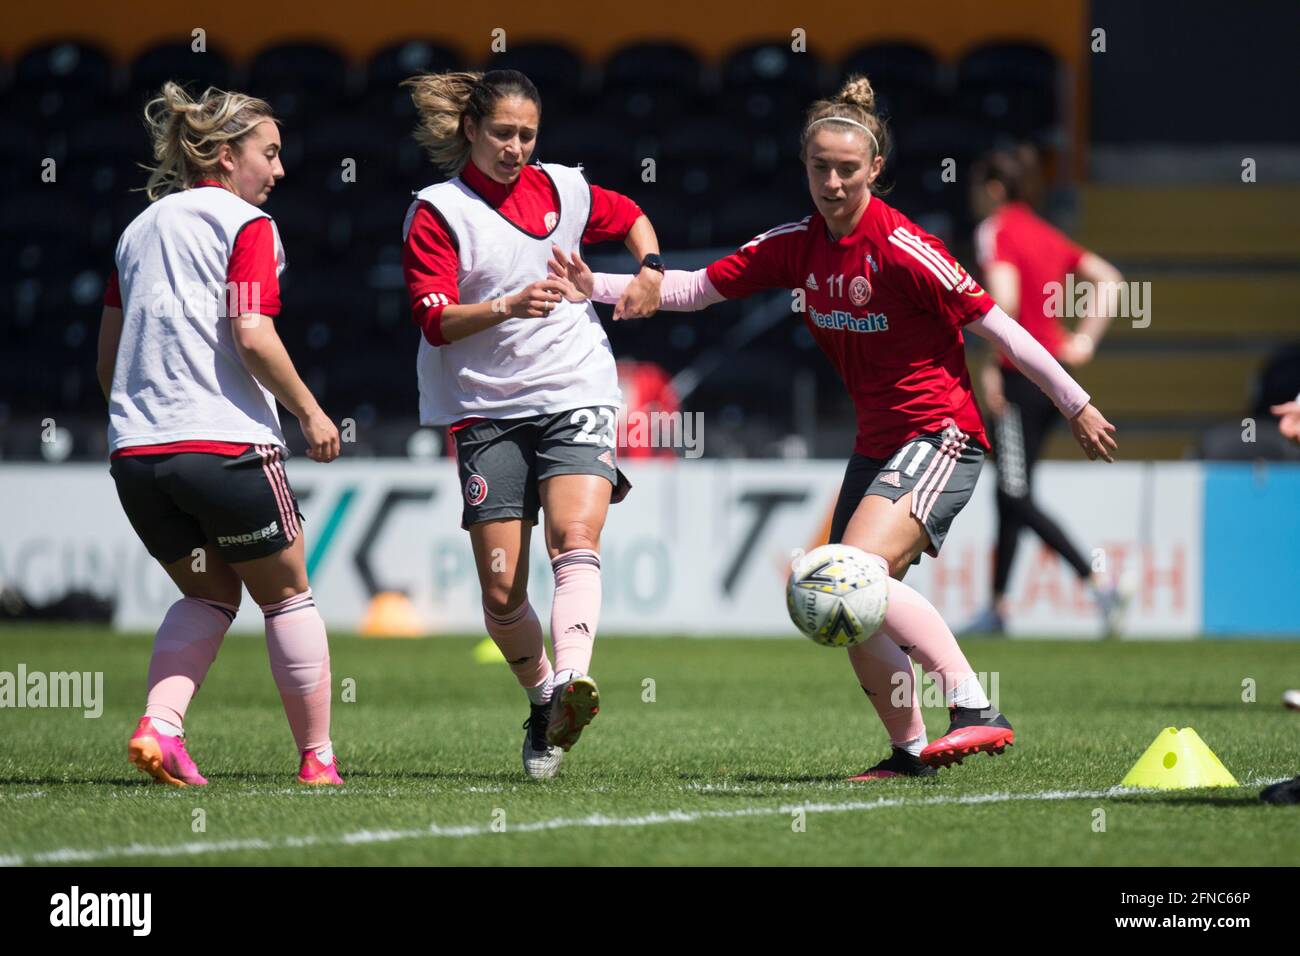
x=1023, y=259
x=647, y=392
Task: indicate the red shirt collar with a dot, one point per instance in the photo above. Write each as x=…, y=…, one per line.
x=487, y=187
x=209, y=182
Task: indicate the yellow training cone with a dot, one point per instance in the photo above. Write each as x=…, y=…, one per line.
x=1177, y=760
x=391, y=614
x=487, y=652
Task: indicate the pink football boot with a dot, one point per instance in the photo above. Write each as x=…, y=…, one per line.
x=163, y=757
x=313, y=771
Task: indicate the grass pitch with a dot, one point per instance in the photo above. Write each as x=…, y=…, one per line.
x=739, y=758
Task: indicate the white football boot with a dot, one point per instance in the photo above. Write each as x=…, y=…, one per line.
x=541, y=760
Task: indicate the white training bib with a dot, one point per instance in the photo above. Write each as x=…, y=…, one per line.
x=520, y=367
x=178, y=375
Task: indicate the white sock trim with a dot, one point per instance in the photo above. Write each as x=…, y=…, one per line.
x=969, y=693
x=166, y=727
x=915, y=745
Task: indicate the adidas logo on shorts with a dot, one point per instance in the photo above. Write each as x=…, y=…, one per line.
x=260, y=534
x=890, y=478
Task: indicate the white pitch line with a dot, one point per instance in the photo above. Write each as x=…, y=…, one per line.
x=596, y=820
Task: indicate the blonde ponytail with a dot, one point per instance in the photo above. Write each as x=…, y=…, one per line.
x=188, y=134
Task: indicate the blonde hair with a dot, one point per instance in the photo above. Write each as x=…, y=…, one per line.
x=443, y=100
x=188, y=134
x=855, y=105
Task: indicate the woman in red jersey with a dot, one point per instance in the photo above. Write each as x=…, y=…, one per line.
x=1023, y=259
x=191, y=365
x=525, y=378
x=888, y=305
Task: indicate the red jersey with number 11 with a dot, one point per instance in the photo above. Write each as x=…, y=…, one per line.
x=886, y=303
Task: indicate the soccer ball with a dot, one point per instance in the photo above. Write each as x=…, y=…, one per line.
x=836, y=595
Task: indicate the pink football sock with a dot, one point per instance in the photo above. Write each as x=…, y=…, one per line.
x=886, y=675
x=300, y=664
x=917, y=628
x=576, y=610
x=183, y=649
x=518, y=635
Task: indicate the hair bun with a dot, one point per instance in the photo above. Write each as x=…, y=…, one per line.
x=858, y=92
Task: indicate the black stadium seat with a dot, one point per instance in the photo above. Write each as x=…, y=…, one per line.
x=59, y=83
x=181, y=64
x=907, y=79
x=560, y=75
x=104, y=157
x=384, y=96
x=741, y=218
x=652, y=83
x=1014, y=87
x=768, y=83
x=710, y=158
x=299, y=79
x=21, y=153
x=335, y=138
x=662, y=66
x=679, y=223
x=611, y=152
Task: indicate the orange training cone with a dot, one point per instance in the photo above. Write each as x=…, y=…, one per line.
x=391, y=614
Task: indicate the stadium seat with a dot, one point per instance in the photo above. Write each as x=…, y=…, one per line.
x=59, y=83
x=711, y=157
x=741, y=218
x=678, y=224
x=122, y=208
x=907, y=79
x=41, y=214
x=21, y=154
x=299, y=79
x=771, y=83
x=327, y=143
x=610, y=152
x=399, y=61
x=1014, y=87
x=560, y=75
x=384, y=96
x=652, y=83
x=104, y=157
x=181, y=64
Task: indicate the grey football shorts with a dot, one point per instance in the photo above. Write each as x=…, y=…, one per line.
x=502, y=461
x=939, y=469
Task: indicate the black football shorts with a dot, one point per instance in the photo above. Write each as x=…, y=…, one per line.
x=242, y=506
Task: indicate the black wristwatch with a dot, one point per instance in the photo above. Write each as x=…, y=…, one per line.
x=653, y=261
